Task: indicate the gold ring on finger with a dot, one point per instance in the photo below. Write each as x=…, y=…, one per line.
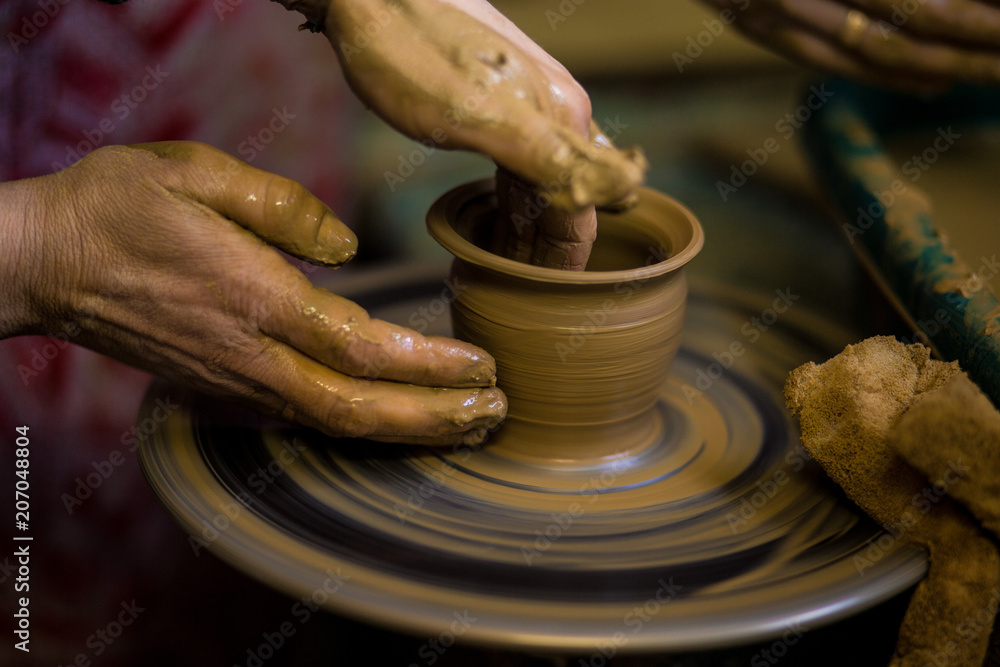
x=855, y=26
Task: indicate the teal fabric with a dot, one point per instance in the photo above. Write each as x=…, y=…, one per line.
x=907, y=249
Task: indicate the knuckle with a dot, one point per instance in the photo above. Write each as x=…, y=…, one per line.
x=345, y=415
x=195, y=151
x=285, y=198
x=358, y=356
x=236, y=354
x=354, y=348
x=579, y=103
x=892, y=51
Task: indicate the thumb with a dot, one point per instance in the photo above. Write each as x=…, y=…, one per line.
x=279, y=210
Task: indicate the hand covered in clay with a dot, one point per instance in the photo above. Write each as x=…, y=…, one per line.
x=911, y=440
x=457, y=74
x=920, y=45
x=164, y=256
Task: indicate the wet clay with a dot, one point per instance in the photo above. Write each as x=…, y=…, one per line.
x=581, y=355
x=860, y=413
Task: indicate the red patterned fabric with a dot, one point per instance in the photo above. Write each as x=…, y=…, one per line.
x=75, y=75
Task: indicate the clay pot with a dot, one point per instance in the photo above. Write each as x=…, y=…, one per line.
x=582, y=355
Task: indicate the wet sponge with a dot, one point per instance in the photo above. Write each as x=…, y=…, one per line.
x=862, y=415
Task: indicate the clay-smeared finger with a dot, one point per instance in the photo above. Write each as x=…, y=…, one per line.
x=279, y=210
x=573, y=172
x=532, y=230
x=600, y=141
x=286, y=215
x=310, y=393
x=341, y=335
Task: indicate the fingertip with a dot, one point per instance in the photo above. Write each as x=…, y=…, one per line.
x=495, y=409
x=483, y=407
x=476, y=436
x=477, y=366
x=608, y=177
x=336, y=243
x=585, y=173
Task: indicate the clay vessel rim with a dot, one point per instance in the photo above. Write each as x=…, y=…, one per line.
x=449, y=206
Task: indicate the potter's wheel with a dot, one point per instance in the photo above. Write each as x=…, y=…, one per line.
x=719, y=533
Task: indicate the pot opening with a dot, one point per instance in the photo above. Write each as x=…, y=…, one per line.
x=618, y=247
x=655, y=237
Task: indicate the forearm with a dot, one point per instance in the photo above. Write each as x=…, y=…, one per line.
x=19, y=234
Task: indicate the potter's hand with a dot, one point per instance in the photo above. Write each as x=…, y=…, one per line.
x=920, y=45
x=459, y=74
x=160, y=254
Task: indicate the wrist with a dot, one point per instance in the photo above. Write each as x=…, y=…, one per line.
x=20, y=238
